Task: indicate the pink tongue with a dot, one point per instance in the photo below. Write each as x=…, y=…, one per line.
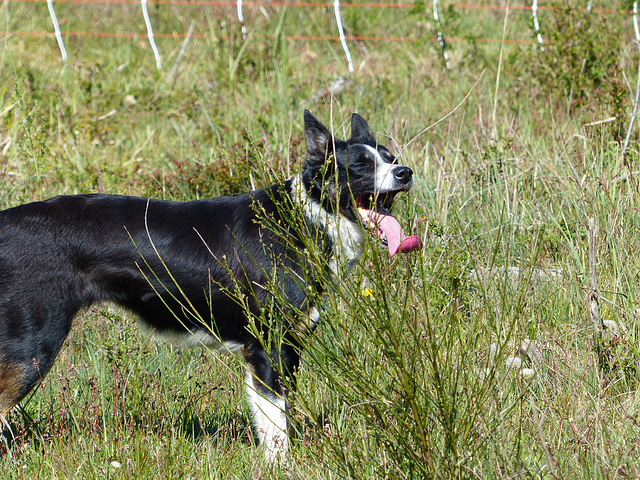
x=397, y=241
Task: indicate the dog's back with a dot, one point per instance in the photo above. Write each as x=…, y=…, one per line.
x=162, y=260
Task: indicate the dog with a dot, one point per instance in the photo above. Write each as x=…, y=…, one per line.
x=197, y=271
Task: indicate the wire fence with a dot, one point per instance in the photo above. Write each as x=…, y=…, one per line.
x=435, y=9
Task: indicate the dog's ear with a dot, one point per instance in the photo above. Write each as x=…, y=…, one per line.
x=317, y=136
x=360, y=132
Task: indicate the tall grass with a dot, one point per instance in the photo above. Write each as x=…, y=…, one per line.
x=407, y=375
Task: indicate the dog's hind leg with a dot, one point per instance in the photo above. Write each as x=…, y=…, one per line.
x=268, y=401
x=11, y=386
x=29, y=345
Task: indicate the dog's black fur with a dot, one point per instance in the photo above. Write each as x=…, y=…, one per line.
x=166, y=260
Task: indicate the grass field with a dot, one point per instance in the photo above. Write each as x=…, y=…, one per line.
x=411, y=373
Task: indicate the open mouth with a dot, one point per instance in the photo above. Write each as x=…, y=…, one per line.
x=380, y=203
x=374, y=212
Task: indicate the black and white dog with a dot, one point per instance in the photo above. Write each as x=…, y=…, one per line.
x=181, y=266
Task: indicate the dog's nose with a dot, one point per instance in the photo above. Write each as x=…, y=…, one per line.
x=403, y=174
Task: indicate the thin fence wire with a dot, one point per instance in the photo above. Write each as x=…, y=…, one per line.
x=233, y=3
x=330, y=38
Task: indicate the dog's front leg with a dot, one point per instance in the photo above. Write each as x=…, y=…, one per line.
x=269, y=413
x=268, y=400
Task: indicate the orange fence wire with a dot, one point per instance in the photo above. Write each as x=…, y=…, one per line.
x=229, y=3
x=359, y=38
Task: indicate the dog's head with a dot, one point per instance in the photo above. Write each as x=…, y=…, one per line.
x=357, y=178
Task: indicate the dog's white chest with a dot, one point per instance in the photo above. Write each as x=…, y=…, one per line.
x=347, y=237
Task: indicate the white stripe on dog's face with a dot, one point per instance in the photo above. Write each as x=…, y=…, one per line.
x=385, y=180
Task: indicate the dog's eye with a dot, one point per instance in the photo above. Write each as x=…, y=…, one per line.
x=386, y=156
x=360, y=162
x=389, y=158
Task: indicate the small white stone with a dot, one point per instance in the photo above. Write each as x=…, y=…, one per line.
x=513, y=362
x=611, y=326
x=130, y=100
x=493, y=351
x=527, y=373
x=530, y=350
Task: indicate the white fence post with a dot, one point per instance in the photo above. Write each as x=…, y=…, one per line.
x=635, y=21
x=241, y=19
x=147, y=22
x=536, y=25
x=441, y=42
x=56, y=29
x=343, y=41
